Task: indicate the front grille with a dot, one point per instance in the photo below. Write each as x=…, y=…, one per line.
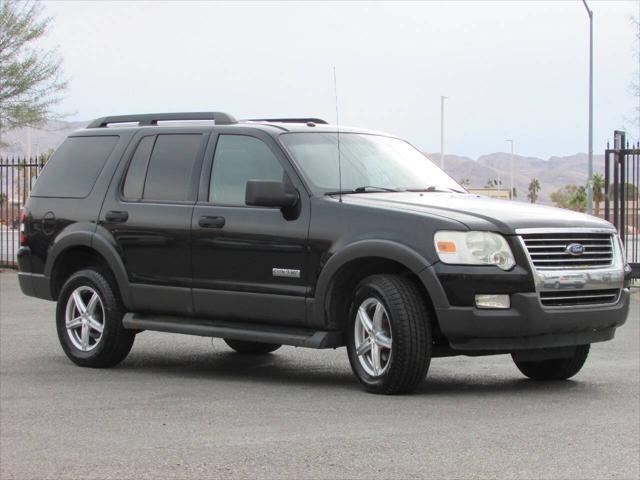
x=549, y=250
x=576, y=298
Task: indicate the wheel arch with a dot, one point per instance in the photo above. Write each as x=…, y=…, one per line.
x=347, y=267
x=83, y=248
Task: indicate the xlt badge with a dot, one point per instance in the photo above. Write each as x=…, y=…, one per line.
x=286, y=272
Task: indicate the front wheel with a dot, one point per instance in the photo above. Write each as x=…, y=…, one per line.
x=555, y=368
x=389, y=336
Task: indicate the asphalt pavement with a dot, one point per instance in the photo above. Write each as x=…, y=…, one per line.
x=189, y=407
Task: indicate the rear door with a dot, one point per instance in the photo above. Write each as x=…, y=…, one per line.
x=148, y=213
x=249, y=263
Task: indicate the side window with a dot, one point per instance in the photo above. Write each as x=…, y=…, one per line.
x=240, y=158
x=171, y=167
x=75, y=167
x=134, y=183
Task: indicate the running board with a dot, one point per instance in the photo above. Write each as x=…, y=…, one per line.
x=250, y=332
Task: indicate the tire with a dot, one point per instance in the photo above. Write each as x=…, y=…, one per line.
x=95, y=349
x=556, y=368
x=252, y=348
x=403, y=324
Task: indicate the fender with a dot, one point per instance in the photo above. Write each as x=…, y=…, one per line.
x=86, y=235
x=105, y=245
x=365, y=248
x=76, y=235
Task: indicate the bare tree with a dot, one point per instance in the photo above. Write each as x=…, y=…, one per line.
x=31, y=79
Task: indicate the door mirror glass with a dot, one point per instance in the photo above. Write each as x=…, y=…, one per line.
x=267, y=193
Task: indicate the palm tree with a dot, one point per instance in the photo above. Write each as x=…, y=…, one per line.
x=597, y=187
x=534, y=188
x=493, y=183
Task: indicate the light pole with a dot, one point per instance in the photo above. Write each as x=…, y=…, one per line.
x=589, y=183
x=510, y=140
x=442, y=99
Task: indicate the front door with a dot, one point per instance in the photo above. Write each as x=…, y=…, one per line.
x=249, y=263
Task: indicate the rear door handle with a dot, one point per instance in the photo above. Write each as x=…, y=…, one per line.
x=114, y=216
x=211, y=222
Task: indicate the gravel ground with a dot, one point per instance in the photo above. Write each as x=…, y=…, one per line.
x=187, y=407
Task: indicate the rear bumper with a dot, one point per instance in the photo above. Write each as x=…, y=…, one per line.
x=35, y=285
x=527, y=325
x=32, y=284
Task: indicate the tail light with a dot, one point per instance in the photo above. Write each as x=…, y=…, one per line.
x=23, y=234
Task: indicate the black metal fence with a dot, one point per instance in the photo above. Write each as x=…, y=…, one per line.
x=622, y=196
x=17, y=176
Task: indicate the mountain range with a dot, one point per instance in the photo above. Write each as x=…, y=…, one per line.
x=552, y=173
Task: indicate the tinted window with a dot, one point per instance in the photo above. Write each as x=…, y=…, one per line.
x=238, y=159
x=134, y=182
x=171, y=167
x=74, y=168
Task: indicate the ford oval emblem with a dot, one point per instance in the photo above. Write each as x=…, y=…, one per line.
x=575, y=249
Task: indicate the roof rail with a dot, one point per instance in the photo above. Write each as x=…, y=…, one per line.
x=288, y=120
x=146, y=119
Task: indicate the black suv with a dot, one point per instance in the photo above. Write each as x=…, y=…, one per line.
x=291, y=231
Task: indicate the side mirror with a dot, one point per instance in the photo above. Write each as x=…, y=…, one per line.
x=266, y=193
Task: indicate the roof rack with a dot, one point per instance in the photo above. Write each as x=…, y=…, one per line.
x=146, y=119
x=288, y=120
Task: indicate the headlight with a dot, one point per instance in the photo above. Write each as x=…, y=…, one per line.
x=474, y=248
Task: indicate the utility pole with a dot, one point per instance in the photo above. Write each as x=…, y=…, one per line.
x=510, y=140
x=28, y=144
x=442, y=99
x=590, y=181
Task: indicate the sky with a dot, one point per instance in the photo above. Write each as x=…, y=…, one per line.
x=509, y=69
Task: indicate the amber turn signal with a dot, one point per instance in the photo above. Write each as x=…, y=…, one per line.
x=446, y=247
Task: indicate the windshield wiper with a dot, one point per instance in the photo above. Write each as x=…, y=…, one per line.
x=364, y=189
x=433, y=188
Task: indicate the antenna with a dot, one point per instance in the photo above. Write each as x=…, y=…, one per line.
x=335, y=90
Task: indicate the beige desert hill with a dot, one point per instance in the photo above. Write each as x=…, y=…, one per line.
x=42, y=139
x=553, y=173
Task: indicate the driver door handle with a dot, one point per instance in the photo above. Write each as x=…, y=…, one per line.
x=114, y=216
x=211, y=222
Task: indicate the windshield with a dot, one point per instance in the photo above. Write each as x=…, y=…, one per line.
x=368, y=163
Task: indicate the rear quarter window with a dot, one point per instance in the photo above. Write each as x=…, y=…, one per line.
x=170, y=171
x=74, y=168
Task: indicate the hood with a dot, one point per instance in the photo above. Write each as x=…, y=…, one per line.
x=479, y=212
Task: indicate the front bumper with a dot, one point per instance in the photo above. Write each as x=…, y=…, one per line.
x=526, y=325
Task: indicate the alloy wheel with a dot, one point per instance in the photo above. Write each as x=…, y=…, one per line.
x=84, y=318
x=373, y=338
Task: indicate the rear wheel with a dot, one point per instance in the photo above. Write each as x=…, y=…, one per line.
x=89, y=321
x=555, y=368
x=254, y=348
x=389, y=337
